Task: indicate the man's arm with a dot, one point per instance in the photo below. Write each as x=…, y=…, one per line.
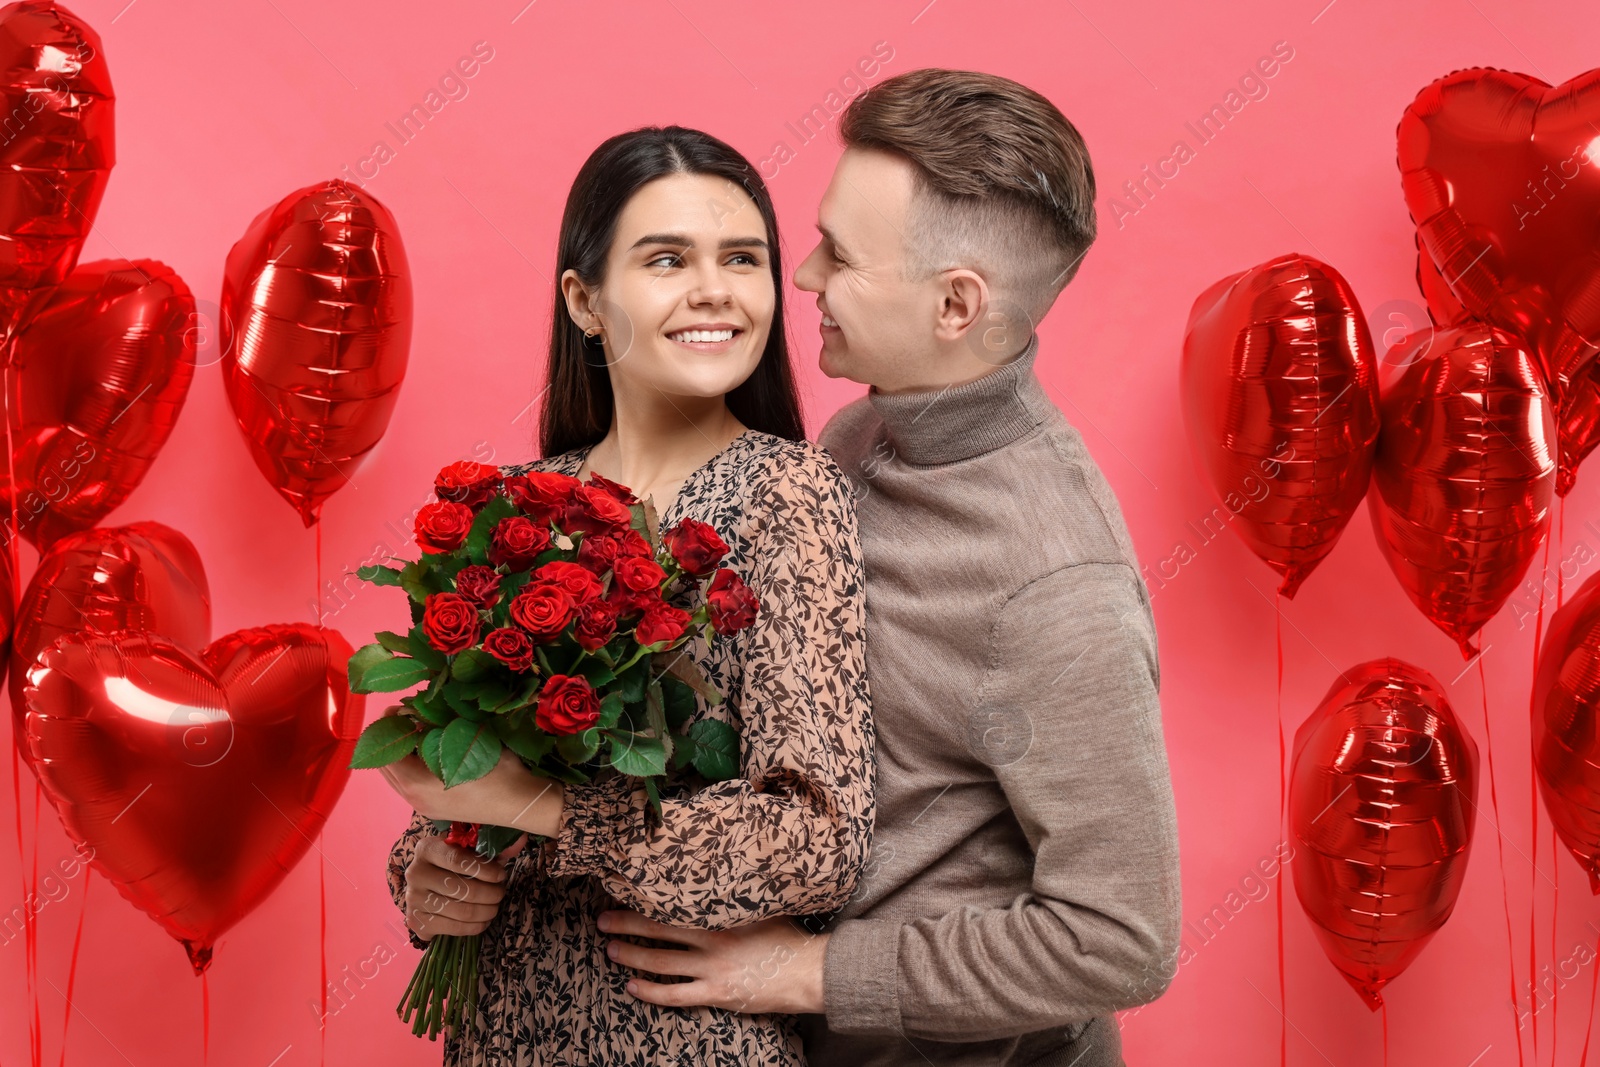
x=1073, y=661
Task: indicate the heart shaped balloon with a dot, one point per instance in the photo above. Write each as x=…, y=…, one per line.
x=56, y=92
x=1381, y=801
x=1280, y=398
x=1465, y=472
x=102, y=372
x=1566, y=741
x=197, y=781
x=316, y=332
x=140, y=577
x=1501, y=173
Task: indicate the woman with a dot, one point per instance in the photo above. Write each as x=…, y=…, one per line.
x=669, y=374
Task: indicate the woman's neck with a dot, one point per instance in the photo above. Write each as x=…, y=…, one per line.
x=654, y=458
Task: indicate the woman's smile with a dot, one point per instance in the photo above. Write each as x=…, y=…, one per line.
x=710, y=337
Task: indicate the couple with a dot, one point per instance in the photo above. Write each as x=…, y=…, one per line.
x=978, y=866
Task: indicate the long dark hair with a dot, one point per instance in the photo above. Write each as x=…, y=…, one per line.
x=578, y=403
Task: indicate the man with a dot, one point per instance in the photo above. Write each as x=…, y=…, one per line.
x=1023, y=883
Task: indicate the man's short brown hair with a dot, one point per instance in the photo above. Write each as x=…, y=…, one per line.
x=1003, y=182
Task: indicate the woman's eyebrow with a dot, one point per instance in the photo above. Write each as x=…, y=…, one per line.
x=685, y=241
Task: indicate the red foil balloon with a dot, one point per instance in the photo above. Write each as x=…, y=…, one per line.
x=316, y=329
x=1280, y=398
x=102, y=373
x=1566, y=744
x=1465, y=472
x=53, y=170
x=1501, y=173
x=1381, y=803
x=198, y=781
x=140, y=577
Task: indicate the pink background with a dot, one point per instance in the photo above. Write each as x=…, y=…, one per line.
x=222, y=109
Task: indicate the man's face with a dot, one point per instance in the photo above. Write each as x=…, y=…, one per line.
x=882, y=324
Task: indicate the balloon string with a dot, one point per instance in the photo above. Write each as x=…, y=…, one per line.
x=1533, y=822
x=72, y=967
x=32, y=946
x=1594, y=988
x=1283, y=809
x=205, y=1016
x=1385, y=1013
x=322, y=900
x=1499, y=837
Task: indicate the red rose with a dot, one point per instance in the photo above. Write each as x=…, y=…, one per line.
x=450, y=622
x=733, y=605
x=661, y=622
x=510, y=646
x=622, y=493
x=567, y=705
x=596, y=552
x=594, y=511
x=639, y=574
x=441, y=526
x=479, y=584
x=541, y=495
x=467, y=483
x=597, y=624
x=579, y=582
x=464, y=834
x=543, y=609
x=517, y=539
x=627, y=602
x=695, y=546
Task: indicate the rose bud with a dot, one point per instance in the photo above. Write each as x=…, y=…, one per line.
x=579, y=582
x=733, y=605
x=543, y=609
x=597, y=624
x=594, y=511
x=661, y=622
x=479, y=584
x=467, y=483
x=638, y=574
x=541, y=495
x=510, y=646
x=567, y=705
x=450, y=622
x=695, y=546
x=515, y=542
x=441, y=526
x=621, y=493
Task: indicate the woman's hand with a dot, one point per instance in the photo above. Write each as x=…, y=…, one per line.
x=509, y=795
x=453, y=890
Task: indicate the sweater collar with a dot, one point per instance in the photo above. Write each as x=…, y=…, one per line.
x=929, y=427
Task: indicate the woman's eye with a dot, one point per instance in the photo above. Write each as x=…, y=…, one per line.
x=748, y=258
x=673, y=256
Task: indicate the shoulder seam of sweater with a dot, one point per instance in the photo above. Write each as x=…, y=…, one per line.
x=992, y=653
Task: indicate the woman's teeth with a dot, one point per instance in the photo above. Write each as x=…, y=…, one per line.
x=702, y=335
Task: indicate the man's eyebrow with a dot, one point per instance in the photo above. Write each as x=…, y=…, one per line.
x=687, y=242
x=833, y=239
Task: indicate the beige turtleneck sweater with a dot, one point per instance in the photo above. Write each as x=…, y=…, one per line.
x=1023, y=883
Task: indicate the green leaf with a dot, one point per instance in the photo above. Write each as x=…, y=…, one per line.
x=392, y=675
x=634, y=681
x=417, y=642
x=414, y=580
x=679, y=701
x=527, y=741
x=431, y=707
x=610, y=710
x=657, y=715
x=429, y=751
x=483, y=525
x=677, y=663
x=493, y=840
x=716, y=749
x=654, y=797
x=638, y=754
x=597, y=673
x=579, y=747
x=462, y=703
x=417, y=609
x=364, y=657
x=471, y=665
x=468, y=751
x=393, y=642
x=378, y=575
x=385, y=740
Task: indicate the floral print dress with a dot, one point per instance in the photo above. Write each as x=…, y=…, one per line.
x=788, y=837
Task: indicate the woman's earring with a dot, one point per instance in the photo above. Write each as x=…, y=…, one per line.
x=594, y=339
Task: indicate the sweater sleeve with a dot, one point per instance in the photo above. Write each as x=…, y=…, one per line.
x=1073, y=672
x=399, y=859
x=790, y=834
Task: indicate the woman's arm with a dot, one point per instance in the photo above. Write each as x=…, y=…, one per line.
x=791, y=835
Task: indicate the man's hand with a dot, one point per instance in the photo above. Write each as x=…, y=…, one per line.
x=453, y=890
x=769, y=966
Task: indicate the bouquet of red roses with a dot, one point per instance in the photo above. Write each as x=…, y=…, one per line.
x=547, y=617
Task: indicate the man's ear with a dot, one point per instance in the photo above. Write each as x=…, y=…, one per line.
x=961, y=303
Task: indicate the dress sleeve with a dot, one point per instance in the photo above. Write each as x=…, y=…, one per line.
x=788, y=836
x=399, y=859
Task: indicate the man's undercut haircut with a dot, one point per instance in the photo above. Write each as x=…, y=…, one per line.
x=1003, y=184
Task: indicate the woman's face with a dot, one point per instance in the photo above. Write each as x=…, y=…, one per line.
x=688, y=298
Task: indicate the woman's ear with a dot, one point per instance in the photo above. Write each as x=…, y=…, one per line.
x=581, y=303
